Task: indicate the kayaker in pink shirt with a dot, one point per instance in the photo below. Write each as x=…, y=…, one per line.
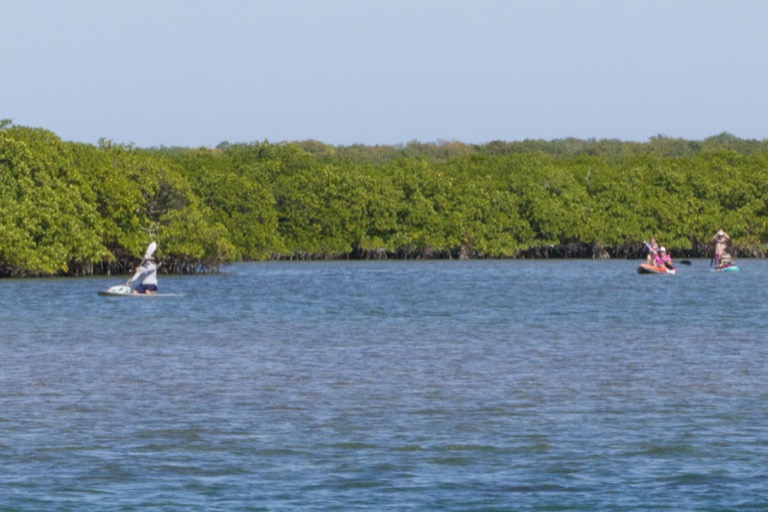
x=662, y=259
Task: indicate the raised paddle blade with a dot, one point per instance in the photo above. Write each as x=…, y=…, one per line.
x=150, y=250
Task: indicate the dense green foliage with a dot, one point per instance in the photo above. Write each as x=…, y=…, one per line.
x=71, y=208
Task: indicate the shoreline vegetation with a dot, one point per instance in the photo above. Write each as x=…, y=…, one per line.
x=75, y=209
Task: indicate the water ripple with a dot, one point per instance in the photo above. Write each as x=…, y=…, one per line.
x=512, y=385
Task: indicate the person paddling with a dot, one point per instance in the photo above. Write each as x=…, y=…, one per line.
x=145, y=278
x=653, y=248
x=658, y=257
x=662, y=259
x=720, y=240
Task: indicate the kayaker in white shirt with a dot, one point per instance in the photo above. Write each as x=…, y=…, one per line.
x=145, y=278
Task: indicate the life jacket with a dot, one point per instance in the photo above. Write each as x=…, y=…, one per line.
x=662, y=261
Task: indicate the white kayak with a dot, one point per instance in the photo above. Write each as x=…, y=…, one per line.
x=122, y=290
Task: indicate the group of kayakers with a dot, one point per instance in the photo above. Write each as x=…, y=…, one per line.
x=722, y=259
x=145, y=278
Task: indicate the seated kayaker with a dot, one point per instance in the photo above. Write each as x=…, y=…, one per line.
x=653, y=249
x=726, y=260
x=145, y=278
x=662, y=259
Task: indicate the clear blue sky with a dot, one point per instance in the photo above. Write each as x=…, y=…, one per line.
x=196, y=73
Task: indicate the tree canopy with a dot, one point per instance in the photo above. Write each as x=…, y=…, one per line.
x=72, y=209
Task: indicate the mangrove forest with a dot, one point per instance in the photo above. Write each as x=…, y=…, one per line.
x=70, y=208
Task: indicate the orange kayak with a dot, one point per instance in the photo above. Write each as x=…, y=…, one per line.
x=646, y=268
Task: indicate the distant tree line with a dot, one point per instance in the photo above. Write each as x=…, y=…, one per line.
x=77, y=209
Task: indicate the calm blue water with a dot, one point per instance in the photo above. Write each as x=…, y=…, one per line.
x=445, y=386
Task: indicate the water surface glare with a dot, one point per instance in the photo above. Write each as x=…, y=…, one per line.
x=445, y=386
